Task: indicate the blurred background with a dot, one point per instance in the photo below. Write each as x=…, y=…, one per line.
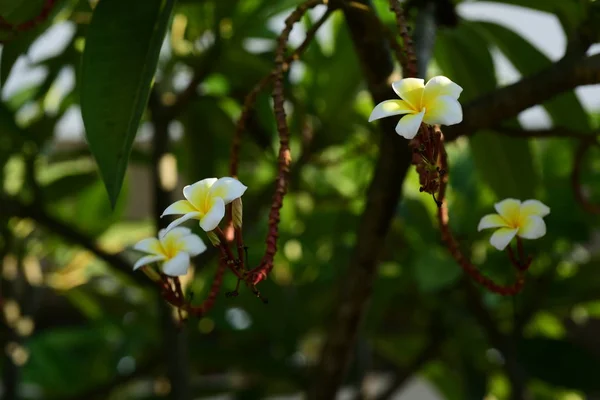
x=77, y=323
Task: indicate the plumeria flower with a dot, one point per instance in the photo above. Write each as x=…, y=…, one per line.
x=173, y=249
x=433, y=103
x=515, y=219
x=205, y=201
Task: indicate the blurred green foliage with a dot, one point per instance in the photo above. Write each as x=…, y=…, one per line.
x=96, y=331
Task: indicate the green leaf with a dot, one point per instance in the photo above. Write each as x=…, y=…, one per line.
x=505, y=164
x=118, y=64
x=560, y=363
x=435, y=269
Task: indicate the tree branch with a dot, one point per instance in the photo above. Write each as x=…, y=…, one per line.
x=554, y=132
x=507, y=102
x=382, y=197
x=11, y=206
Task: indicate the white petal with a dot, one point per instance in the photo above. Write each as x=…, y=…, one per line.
x=509, y=209
x=149, y=245
x=179, y=207
x=410, y=90
x=175, y=233
x=179, y=221
x=193, y=245
x=147, y=260
x=502, y=237
x=533, y=227
x=408, y=126
x=214, y=216
x=441, y=86
x=491, y=221
x=228, y=189
x=443, y=110
x=390, y=107
x=196, y=193
x=534, y=207
x=178, y=265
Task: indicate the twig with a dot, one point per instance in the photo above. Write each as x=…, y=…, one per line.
x=250, y=99
x=453, y=246
x=409, y=62
x=266, y=265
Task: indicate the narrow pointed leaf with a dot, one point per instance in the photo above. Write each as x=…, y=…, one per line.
x=119, y=61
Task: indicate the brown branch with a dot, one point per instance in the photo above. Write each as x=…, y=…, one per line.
x=489, y=110
x=382, y=198
x=409, y=62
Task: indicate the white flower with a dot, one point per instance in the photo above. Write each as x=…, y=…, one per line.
x=173, y=249
x=433, y=103
x=515, y=219
x=205, y=201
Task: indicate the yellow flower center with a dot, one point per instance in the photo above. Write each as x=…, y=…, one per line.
x=171, y=246
x=514, y=219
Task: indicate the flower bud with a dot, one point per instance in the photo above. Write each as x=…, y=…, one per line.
x=151, y=273
x=237, y=212
x=214, y=239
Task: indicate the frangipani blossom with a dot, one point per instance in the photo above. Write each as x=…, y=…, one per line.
x=173, y=249
x=205, y=201
x=515, y=219
x=433, y=103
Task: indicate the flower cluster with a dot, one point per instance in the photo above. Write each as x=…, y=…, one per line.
x=205, y=201
x=423, y=108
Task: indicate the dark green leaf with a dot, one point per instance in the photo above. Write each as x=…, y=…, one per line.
x=119, y=62
x=505, y=164
x=560, y=363
x=435, y=270
x=18, y=11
